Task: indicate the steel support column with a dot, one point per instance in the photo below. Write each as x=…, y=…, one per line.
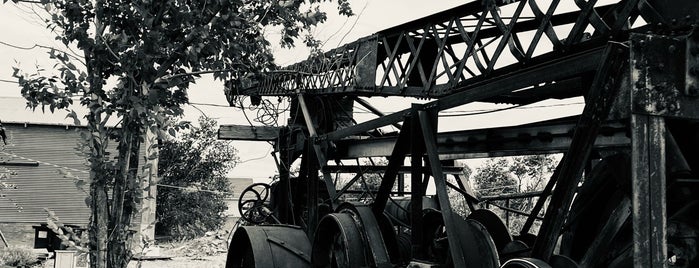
x=395, y=161
x=319, y=152
x=648, y=191
x=603, y=92
x=417, y=191
x=428, y=123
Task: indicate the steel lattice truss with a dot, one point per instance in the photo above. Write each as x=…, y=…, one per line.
x=625, y=193
x=443, y=53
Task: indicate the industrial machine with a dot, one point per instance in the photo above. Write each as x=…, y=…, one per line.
x=624, y=194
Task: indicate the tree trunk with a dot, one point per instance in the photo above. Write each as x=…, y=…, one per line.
x=99, y=177
x=124, y=199
x=98, y=224
x=99, y=173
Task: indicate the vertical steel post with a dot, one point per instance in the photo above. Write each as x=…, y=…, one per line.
x=417, y=191
x=320, y=155
x=648, y=191
x=428, y=124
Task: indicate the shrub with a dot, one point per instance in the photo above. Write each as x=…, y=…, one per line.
x=17, y=257
x=194, y=168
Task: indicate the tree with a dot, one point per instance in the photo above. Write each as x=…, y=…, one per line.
x=531, y=170
x=137, y=60
x=519, y=174
x=493, y=177
x=196, y=165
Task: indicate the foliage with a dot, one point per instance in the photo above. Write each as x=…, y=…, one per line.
x=137, y=60
x=366, y=184
x=508, y=175
x=74, y=239
x=17, y=257
x=457, y=200
x=195, y=161
x=493, y=177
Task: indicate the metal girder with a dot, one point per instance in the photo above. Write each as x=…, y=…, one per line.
x=470, y=244
x=381, y=169
x=560, y=68
x=665, y=74
x=395, y=161
x=318, y=149
x=648, y=191
x=442, y=53
x=428, y=125
x=542, y=137
x=603, y=92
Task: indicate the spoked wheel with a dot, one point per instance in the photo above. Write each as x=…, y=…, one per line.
x=253, y=203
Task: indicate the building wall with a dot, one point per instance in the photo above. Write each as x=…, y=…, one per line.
x=43, y=187
x=18, y=234
x=46, y=153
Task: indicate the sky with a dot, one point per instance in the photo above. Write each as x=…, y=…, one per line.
x=21, y=28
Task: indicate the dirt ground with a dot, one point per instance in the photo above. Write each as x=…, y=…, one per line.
x=216, y=261
x=208, y=251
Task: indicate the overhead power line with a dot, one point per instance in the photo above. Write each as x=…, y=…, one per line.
x=8, y=81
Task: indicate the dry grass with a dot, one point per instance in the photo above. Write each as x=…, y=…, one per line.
x=208, y=251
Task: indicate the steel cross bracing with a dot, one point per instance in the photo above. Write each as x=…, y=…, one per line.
x=445, y=52
x=640, y=119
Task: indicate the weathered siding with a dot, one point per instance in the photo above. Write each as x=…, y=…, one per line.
x=18, y=234
x=42, y=186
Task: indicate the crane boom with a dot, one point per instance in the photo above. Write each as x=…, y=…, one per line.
x=446, y=52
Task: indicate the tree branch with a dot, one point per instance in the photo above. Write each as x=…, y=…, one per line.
x=201, y=72
x=44, y=47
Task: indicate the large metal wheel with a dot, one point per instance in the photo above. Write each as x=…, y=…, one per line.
x=479, y=250
x=278, y=246
x=600, y=219
x=338, y=243
x=496, y=227
x=525, y=263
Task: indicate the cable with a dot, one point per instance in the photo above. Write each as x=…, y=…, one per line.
x=194, y=189
x=258, y=158
x=211, y=104
x=353, y=24
x=483, y=112
x=9, y=81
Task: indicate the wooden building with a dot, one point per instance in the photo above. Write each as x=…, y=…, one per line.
x=41, y=148
x=34, y=163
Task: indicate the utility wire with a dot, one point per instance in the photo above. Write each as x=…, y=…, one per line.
x=353, y=25
x=8, y=81
x=196, y=189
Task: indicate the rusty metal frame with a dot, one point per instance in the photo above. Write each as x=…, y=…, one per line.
x=603, y=92
x=437, y=55
x=462, y=55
